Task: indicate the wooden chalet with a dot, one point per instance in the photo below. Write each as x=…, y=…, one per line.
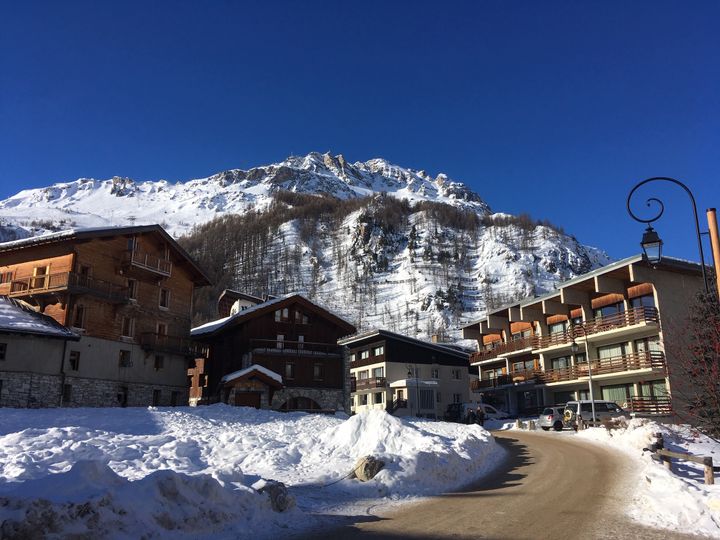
x=291, y=339
x=127, y=291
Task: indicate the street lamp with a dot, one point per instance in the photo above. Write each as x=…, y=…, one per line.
x=574, y=348
x=651, y=243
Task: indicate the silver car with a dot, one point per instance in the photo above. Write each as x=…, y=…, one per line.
x=552, y=417
x=581, y=411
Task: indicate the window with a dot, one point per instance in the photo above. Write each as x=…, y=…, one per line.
x=125, y=359
x=647, y=300
x=128, y=327
x=318, y=372
x=378, y=397
x=377, y=351
x=156, y=397
x=3, y=350
x=427, y=399
x=40, y=274
x=527, y=365
x=364, y=355
x=363, y=374
x=277, y=315
x=6, y=277
x=557, y=328
x=561, y=362
x=576, y=321
x=280, y=341
x=301, y=342
x=159, y=362
x=298, y=316
x=164, y=298
x=611, y=351
x=362, y=399
x=378, y=372
x=649, y=344
x=655, y=388
x=456, y=374
x=608, y=311
x=166, y=252
x=352, y=357
x=289, y=370
x=305, y=319
x=619, y=393
x=74, y=360
x=79, y=317
x=580, y=358
x=437, y=398
x=131, y=243
x=162, y=329
x=457, y=398
x=285, y=314
x=67, y=393
x=435, y=373
x=132, y=286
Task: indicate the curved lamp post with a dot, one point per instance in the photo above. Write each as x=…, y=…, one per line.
x=651, y=242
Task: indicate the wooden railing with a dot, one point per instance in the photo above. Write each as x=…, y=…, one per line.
x=647, y=315
x=651, y=406
x=150, y=262
x=395, y=405
x=497, y=349
x=274, y=346
x=617, y=364
x=68, y=281
x=152, y=341
x=372, y=382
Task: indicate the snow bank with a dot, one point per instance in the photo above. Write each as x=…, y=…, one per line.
x=123, y=473
x=676, y=500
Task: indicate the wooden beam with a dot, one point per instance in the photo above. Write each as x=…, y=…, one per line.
x=604, y=284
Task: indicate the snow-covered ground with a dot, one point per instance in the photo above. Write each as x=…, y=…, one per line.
x=190, y=472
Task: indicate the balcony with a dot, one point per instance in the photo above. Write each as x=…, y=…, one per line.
x=68, y=282
x=372, y=382
x=297, y=348
x=147, y=262
x=617, y=364
x=499, y=349
x=650, y=406
x=517, y=377
x=152, y=341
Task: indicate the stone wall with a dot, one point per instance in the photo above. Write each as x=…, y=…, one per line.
x=328, y=398
x=23, y=389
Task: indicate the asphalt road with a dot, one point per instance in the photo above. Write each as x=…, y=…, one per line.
x=550, y=486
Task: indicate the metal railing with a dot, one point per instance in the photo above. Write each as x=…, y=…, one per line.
x=70, y=281
x=147, y=261
x=153, y=341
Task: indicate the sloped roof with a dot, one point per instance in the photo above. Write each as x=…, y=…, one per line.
x=215, y=327
x=90, y=233
x=18, y=318
x=349, y=340
x=257, y=369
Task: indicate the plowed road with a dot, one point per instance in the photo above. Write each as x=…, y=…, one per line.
x=550, y=486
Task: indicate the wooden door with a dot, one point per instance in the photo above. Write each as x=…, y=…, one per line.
x=247, y=399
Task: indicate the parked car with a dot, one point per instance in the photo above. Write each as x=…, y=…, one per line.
x=552, y=417
x=459, y=412
x=491, y=413
x=577, y=411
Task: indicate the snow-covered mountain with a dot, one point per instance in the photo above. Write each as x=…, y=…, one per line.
x=179, y=206
x=384, y=246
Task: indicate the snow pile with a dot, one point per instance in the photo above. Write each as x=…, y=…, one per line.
x=677, y=500
x=194, y=472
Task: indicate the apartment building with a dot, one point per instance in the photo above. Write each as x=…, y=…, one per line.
x=127, y=292
x=279, y=354
x=405, y=376
x=613, y=325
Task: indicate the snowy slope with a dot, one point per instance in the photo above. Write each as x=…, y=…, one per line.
x=419, y=277
x=178, y=206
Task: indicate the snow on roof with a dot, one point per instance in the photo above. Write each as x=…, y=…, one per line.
x=212, y=326
x=254, y=367
x=409, y=383
x=19, y=318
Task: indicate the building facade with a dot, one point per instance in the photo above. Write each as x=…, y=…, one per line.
x=291, y=338
x=613, y=325
x=405, y=376
x=127, y=292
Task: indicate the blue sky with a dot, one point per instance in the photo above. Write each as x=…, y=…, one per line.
x=551, y=108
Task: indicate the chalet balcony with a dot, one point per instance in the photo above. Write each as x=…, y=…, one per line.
x=498, y=349
x=617, y=364
x=152, y=341
x=650, y=406
x=518, y=377
x=294, y=348
x=372, y=382
x=147, y=262
x=69, y=282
